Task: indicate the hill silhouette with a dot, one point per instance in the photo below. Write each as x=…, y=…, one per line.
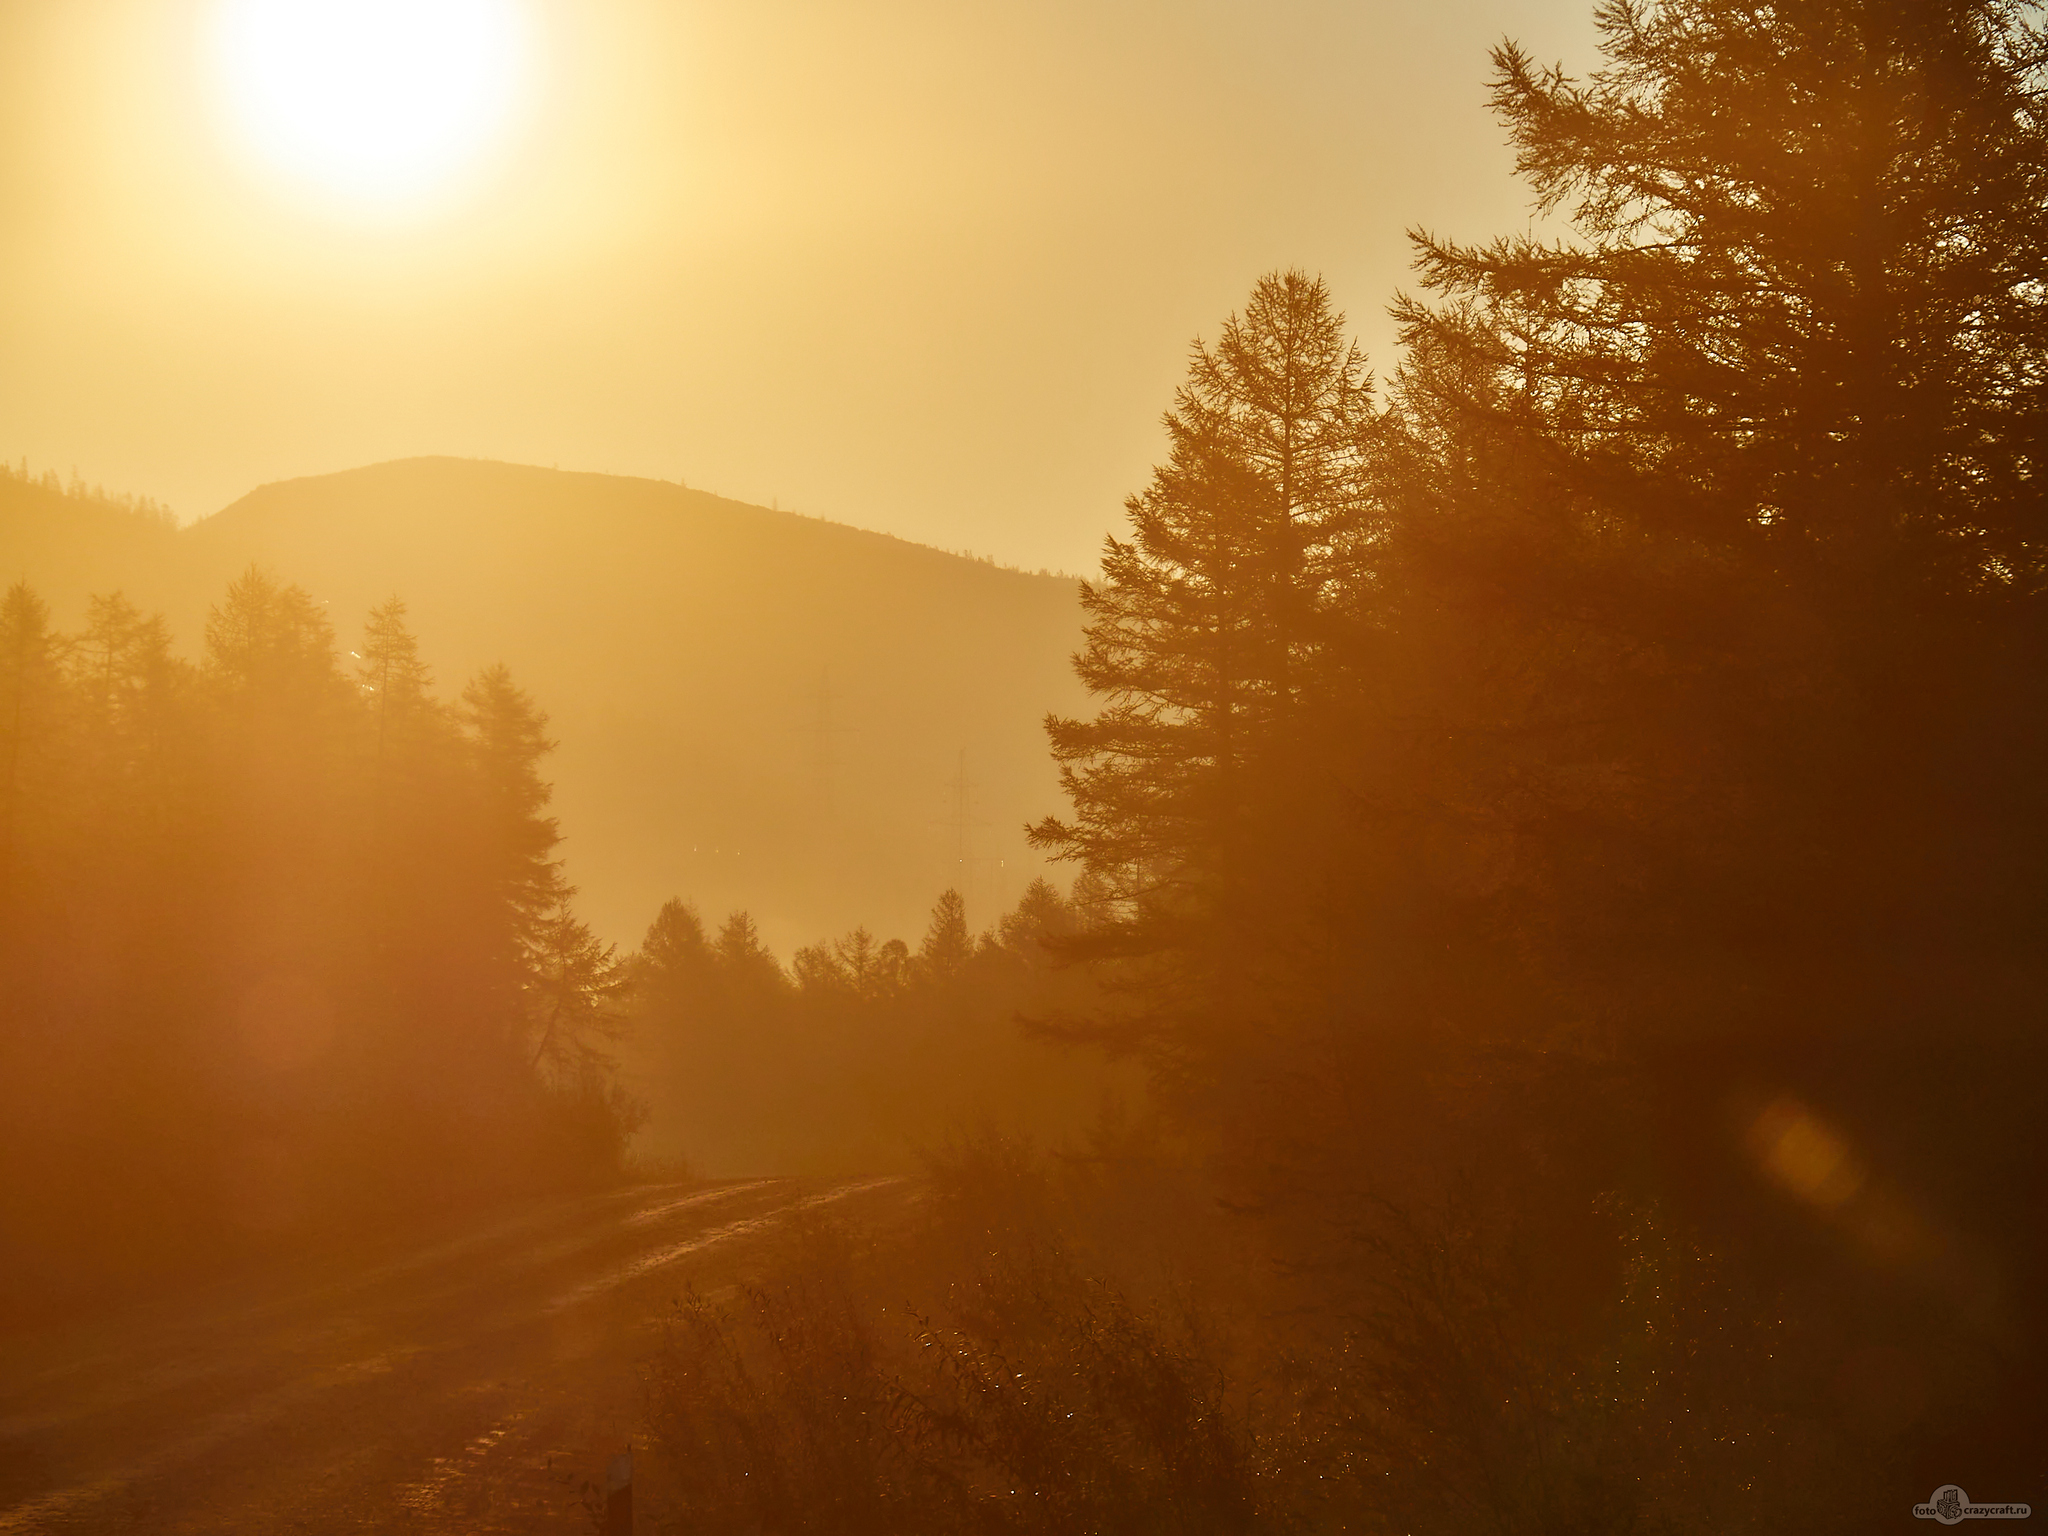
x=754, y=708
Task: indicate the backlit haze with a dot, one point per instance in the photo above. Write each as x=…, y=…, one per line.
x=918, y=267
x=615, y=914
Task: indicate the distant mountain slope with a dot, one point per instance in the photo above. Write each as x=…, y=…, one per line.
x=66, y=544
x=754, y=708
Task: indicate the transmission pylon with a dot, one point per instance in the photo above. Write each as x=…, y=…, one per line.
x=962, y=823
x=824, y=731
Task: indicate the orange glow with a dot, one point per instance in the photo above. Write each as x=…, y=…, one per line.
x=1804, y=1157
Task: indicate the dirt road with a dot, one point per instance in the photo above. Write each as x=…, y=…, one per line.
x=471, y=1386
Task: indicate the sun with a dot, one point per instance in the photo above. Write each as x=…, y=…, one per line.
x=379, y=101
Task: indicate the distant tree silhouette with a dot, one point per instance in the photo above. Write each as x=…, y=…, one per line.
x=817, y=969
x=117, y=656
x=674, y=960
x=389, y=668
x=744, y=962
x=948, y=944
x=259, y=915
x=508, y=738
x=856, y=965
x=862, y=1051
x=574, y=991
x=1041, y=915
x=128, y=692
x=270, y=650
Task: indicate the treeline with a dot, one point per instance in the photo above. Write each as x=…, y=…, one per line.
x=76, y=489
x=284, y=946
x=862, y=1050
x=1606, y=767
x=1571, y=854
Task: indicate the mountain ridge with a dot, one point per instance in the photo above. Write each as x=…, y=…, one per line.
x=756, y=707
x=255, y=498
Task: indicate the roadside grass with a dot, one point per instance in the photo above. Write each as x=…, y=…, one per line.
x=1069, y=1345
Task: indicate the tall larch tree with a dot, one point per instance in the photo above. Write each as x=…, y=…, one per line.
x=1207, y=638
x=396, y=682
x=1738, y=484
x=508, y=738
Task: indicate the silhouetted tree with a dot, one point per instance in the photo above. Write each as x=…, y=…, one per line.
x=118, y=655
x=1799, y=316
x=270, y=650
x=745, y=963
x=1205, y=627
x=1641, y=724
x=1720, y=535
x=948, y=945
x=508, y=737
x=1672, y=724
x=397, y=680
x=1042, y=916
x=864, y=1050
x=574, y=992
x=1210, y=640
x=674, y=962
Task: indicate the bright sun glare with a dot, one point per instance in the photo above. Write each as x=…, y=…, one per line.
x=378, y=100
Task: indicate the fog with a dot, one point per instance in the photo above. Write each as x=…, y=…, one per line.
x=923, y=771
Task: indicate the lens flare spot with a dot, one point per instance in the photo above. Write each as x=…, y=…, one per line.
x=1805, y=1157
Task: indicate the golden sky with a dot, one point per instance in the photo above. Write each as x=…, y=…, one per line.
x=926, y=266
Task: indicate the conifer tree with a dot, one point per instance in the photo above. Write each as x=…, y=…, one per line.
x=1041, y=919
x=819, y=972
x=396, y=680
x=1723, y=528
x=269, y=648
x=222, y=955
x=864, y=963
x=1801, y=309
x=1211, y=630
x=508, y=738
x=675, y=994
x=675, y=956
x=854, y=965
x=574, y=992
x=948, y=945
x=131, y=699
x=1205, y=628
x=746, y=966
x=118, y=655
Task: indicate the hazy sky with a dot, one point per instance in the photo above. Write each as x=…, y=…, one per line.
x=927, y=266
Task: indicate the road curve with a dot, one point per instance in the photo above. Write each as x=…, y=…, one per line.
x=469, y=1386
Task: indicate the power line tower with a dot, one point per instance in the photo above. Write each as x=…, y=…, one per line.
x=824, y=731
x=962, y=822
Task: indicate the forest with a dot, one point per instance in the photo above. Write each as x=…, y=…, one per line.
x=1545, y=1030
x=285, y=945
x=292, y=956
x=1565, y=843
